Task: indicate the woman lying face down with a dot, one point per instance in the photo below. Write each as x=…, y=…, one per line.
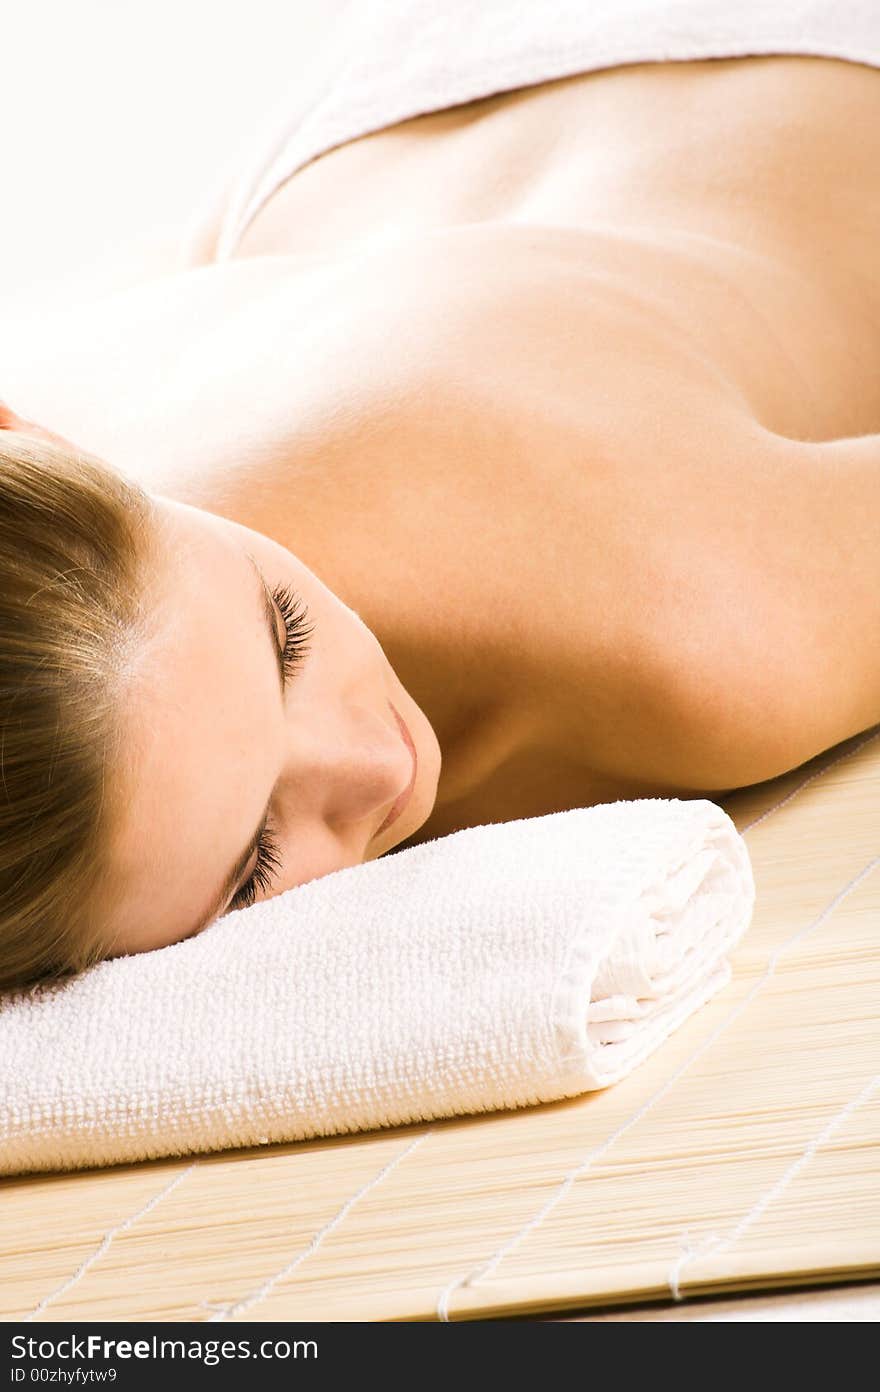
x=193, y=721
x=604, y=491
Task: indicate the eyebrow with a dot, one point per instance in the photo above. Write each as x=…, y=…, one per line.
x=231, y=881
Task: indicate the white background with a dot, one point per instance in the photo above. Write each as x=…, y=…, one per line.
x=121, y=119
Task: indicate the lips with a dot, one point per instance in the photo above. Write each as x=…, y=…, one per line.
x=400, y=802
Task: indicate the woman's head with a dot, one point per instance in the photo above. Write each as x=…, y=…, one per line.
x=214, y=744
x=144, y=730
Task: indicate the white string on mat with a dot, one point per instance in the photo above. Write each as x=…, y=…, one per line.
x=811, y=778
x=105, y=1243
x=223, y=1312
x=479, y=1272
x=716, y=1243
x=488, y=1267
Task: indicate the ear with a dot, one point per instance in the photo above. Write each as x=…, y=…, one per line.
x=9, y=420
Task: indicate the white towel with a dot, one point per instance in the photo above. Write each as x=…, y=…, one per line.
x=395, y=59
x=503, y=965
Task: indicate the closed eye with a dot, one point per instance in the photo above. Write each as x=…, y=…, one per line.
x=297, y=627
x=297, y=630
x=263, y=874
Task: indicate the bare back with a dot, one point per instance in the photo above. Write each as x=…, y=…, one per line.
x=537, y=429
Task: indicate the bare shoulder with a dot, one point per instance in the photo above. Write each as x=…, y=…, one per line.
x=706, y=588
x=106, y=372
x=748, y=640
x=536, y=443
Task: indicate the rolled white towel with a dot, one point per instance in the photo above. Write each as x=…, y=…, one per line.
x=503, y=965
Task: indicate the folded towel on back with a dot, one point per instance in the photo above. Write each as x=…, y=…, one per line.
x=388, y=63
x=503, y=965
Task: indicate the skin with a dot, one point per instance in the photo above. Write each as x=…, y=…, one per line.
x=325, y=755
x=543, y=456
x=328, y=758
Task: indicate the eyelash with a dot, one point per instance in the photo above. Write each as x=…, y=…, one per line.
x=298, y=629
x=267, y=866
x=296, y=647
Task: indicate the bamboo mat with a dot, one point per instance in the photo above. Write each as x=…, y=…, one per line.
x=742, y=1155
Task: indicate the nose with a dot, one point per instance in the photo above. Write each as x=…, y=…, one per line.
x=346, y=768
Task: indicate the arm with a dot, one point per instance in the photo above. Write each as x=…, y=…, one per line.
x=836, y=512
x=795, y=667
x=797, y=662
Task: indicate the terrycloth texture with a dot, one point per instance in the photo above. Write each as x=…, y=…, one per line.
x=503, y=965
x=402, y=58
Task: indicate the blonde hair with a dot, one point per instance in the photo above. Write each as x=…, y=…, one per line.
x=76, y=547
